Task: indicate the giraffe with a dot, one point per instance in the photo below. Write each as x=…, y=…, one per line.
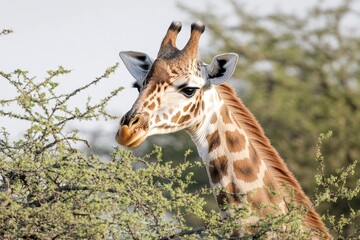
x=177, y=91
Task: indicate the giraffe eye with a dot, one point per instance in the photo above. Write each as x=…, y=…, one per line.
x=189, y=91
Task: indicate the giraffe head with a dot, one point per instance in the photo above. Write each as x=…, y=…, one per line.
x=171, y=87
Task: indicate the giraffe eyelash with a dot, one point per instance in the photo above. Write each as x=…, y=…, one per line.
x=188, y=91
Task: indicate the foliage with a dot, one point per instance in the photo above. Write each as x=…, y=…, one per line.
x=335, y=189
x=51, y=189
x=44, y=180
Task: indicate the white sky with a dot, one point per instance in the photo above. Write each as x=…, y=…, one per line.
x=87, y=35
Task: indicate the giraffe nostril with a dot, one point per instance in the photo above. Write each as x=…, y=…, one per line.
x=134, y=121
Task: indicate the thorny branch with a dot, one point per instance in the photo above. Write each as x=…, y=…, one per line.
x=6, y=31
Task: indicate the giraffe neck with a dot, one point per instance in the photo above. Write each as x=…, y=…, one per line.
x=232, y=162
x=240, y=160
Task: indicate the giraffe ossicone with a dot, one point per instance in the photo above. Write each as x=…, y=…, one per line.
x=178, y=91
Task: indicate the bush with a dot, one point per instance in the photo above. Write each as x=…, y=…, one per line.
x=51, y=189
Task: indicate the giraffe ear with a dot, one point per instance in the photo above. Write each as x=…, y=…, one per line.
x=137, y=63
x=221, y=68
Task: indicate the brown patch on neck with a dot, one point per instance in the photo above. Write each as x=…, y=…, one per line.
x=266, y=200
x=224, y=112
x=269, y=155
x=245, y=170
x=248, y=169
x=213, y=141
x=229, y=195
x=235, y=141
x=218, y=169
x=261, y=202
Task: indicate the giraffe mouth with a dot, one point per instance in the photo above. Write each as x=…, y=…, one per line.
x=130, y=137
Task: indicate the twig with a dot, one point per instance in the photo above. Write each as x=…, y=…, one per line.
x=6, y=32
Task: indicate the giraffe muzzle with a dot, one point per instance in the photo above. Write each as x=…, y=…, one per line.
x=132, y=131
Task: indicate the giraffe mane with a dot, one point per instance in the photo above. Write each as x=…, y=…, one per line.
x=275, y=163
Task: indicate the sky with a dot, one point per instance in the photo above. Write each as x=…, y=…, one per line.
x=86, y=37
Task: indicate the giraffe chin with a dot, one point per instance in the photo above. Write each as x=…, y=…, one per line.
x=126, y=138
